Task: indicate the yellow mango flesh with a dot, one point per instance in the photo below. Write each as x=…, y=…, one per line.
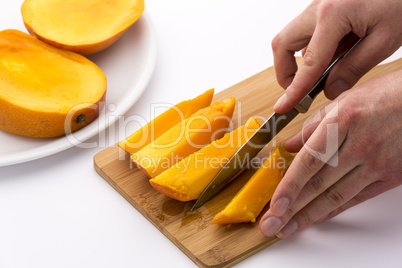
x=83, y=26
x=41, y=87
x=187, y=179
x=165, y=121
x=257, y=192
x=185, y=138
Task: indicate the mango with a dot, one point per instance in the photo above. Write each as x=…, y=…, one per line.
x=45, y=91
x=187, y=179
x=165, y=121
x=187, y=137
x=258, y=191
x=82, y=26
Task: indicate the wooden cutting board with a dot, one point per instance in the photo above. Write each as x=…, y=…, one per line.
x=206, y=244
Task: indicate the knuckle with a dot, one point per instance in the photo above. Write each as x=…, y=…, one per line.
x=350, y=115
x=309, y=57
x=312, y=58
x=276, y=43
x=303, y=219
x=290, y=211
x=351, y=120
x=379, y=163
x=315, y=184
x=311, y=162
x=359, y=148
x=329, y=8
x=355, y=70
x=293, y=187
x=335, y=197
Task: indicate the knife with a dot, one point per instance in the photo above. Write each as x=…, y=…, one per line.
x=272, y=126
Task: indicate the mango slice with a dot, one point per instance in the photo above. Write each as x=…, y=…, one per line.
x=45, y=91
x=187, y=179
x=165, y=121
x=82, y=26
x=185, y=138
x=256, y=193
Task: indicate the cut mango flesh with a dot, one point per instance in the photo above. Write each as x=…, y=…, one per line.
x=185, y=138
x=187, y=179
x=165, y=121
x=41, y=87
x=82, y=26
x=256, y=193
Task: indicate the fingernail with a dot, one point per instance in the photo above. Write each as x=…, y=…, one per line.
x=289, y=229
x=280, y=206
x=270, y=226
x=280, y=101
x=338, y=86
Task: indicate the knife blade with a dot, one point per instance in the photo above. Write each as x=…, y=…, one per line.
x=270, y=128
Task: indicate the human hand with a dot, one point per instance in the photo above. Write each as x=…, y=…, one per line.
x=330, y=174
x=317, y=32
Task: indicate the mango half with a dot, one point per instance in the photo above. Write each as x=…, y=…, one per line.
x=45, y=91
x=187, y=137
x=82, y=26
x=187, y=179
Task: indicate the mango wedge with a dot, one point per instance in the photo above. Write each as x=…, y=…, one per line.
x=165, y=121
x=257, y=192
x=185, y=138
x=187, y=179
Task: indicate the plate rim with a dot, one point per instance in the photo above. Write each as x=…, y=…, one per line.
x=65, y=142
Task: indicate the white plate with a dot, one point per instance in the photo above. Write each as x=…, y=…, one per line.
x=128, y=65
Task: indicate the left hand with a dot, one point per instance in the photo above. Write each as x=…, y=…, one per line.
x=334, y=170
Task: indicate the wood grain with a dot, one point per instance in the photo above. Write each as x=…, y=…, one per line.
x=206, y=244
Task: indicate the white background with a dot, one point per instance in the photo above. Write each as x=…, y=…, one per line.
x=58, y=212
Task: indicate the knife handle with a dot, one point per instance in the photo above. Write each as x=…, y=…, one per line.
x=347, y=44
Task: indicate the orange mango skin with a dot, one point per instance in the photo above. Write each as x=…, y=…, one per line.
x=30, y=67
x=185, y=138
x=40, y=15
x=256, y=193
x=165, y=121
x=187, y=179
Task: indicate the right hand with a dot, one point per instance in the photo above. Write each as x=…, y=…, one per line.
x=317, y=32
x=350, y=151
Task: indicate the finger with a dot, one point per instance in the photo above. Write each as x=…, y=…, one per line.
x=334, y=197
x=295, y=143
x=357, y=63
x=319, y=52
x=317, y=151
x=284, y=62
x=295, y=36
x=367, y=193
x=318, y=184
